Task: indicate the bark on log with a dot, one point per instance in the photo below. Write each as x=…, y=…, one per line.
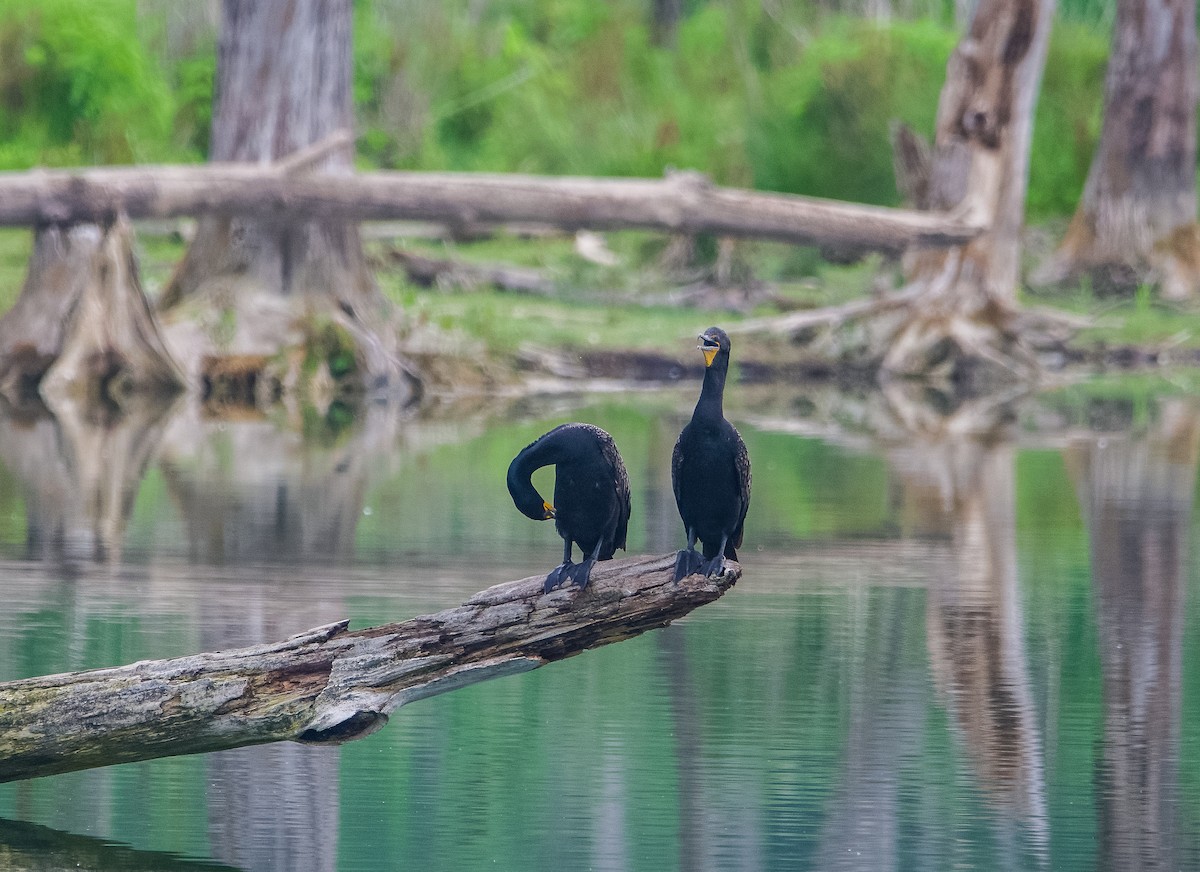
x=684, y=203
x=329, y=685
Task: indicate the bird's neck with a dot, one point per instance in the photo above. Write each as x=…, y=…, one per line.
x=712, y=393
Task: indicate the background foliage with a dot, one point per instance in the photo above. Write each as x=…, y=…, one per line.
x=795, y=99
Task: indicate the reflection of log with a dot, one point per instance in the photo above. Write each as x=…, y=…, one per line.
x=329, y=685
x=35, y=848
x=683, y=203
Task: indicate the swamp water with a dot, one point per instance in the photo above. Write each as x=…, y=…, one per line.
x=972, y=648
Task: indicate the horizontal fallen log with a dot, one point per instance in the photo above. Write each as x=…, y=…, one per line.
x=682, y=203
x=329, y=685
x=430, y=271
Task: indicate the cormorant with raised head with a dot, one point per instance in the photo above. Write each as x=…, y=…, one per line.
x=710, y=471
x=591, y=495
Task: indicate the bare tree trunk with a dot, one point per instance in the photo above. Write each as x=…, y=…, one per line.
x=1136, y=219
x=33, y=330
x=958, y=322
x=82, y=326
x=664, y=21
x=283, y=83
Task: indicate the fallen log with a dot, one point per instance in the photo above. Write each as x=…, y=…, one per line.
x=682, y=203
x=329, y=685
x=431, y=271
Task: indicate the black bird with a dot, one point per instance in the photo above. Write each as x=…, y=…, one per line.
x=591, y=495
x=710, y=471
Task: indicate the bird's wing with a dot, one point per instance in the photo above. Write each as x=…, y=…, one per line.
x=676, y=462
x=623, y=499
x=741, y=462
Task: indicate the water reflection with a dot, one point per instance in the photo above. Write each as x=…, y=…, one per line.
x=1137, y=498
x=80, y=470
x=958, y=475
x=878, y=692
x=35, y=848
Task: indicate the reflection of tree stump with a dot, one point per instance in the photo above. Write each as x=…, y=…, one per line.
x=958, y=482
x=1137, y=500
x=81, y=470
x=293, y=292
x=251, y=490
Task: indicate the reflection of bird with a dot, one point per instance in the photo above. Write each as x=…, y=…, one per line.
x=591, y=495
x=710, y=471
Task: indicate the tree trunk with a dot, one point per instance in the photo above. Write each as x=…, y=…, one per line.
x=664, y=21
x=958, y=323
x=1136, y=220
x=329, y=685
x=33, y=330
x=283, y=83
x=82, y=327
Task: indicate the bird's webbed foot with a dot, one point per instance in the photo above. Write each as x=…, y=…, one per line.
x=581, y=572
x=687, y=562
x=559, y=575
x=714, y=568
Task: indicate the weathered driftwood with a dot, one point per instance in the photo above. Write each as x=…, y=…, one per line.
x=684, y=203
x=328, y=684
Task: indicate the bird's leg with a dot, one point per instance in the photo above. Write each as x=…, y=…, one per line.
x=562, y=572
x=583, y=571
x=716, y=566
x=687, y=561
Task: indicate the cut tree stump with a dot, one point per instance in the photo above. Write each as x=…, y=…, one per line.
x=329, y=685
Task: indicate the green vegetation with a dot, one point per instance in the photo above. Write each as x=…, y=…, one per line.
x=795, y=101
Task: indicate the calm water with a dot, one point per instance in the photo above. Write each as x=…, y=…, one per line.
x=954, y=645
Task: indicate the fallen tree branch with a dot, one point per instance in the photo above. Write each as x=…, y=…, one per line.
x=329, y=685
x=827, y=316
x=682, y=203
x=430, y=271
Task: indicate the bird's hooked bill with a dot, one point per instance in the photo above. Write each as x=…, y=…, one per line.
x=709, y=348
x=548, y=509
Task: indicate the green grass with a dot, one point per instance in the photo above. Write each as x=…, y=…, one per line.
x=15, y=246
x=1143, y=320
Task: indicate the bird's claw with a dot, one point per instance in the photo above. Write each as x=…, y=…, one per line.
x=715, y=568
x=687, y=562
x=558, y=575
x=582, y=572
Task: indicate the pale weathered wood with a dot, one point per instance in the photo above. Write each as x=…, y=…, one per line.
x=328, y=684
x=684, y=203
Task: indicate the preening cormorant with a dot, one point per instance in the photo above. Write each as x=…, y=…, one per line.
x=591, y=495
x=710, y=471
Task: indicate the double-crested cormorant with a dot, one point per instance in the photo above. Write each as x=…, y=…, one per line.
x=591, y=495
x=710, y=471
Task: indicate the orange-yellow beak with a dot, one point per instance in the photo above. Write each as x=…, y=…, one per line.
x=709, y=351
x=548, y=509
